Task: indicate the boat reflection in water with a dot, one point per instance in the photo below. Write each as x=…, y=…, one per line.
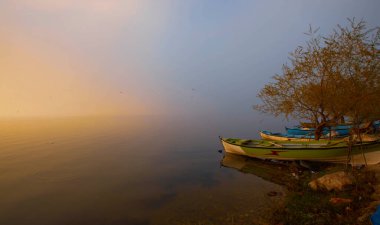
x=273, y=171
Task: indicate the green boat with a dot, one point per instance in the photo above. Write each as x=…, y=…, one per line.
x=323, y=151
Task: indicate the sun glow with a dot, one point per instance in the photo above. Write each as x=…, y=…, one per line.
x=40, y=83
x=62, y=68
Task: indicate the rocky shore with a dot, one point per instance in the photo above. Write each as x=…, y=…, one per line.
x=333, y=195
x=375, y=197
x=316, y=193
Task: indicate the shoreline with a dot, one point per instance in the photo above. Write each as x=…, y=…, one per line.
x=357, y=201
x=302, y=205
x=375, y=197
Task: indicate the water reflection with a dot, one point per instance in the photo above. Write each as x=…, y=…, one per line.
x=121, y=171
x=276, y=172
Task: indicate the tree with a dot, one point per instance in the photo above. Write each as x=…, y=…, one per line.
x=329, y=79
x=358, y=61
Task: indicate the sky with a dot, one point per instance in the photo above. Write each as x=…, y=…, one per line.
x=153, y=57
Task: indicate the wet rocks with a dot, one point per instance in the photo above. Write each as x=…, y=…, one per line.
x=274, y=193
x=334, y=181
x=336, y=200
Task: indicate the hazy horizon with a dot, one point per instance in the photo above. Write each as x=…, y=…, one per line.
x=77, y=58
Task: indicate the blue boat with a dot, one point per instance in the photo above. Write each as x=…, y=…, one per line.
x=267, y=135
x=341, y=130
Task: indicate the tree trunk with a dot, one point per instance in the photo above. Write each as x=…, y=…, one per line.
x=318, y=130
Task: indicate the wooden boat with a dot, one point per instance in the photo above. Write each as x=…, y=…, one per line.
x=342, y=130
x=339, y=130
x=267, y=135
x=323, y=151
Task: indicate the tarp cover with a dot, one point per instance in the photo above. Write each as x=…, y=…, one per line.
x=375, y=218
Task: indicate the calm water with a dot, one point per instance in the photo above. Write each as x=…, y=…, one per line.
x=138, y=170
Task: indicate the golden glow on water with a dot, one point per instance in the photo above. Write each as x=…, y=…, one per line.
x=135, y=170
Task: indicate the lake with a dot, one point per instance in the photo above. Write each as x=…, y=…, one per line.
x=124, y=170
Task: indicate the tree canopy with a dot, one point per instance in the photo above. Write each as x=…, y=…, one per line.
x=330, y=78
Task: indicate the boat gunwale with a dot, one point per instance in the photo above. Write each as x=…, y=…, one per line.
x=301, y=148
x=313, y=129
x=294, y=137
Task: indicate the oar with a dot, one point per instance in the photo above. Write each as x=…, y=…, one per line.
x=334, y=143
x=275, y=144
